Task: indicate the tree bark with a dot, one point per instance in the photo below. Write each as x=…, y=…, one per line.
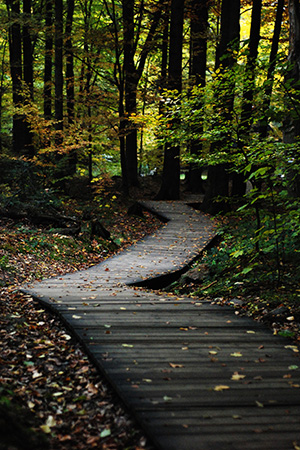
x=70, y=80
x=69, y=62
x=27, y=72
x=132, y=75
x=292, y=122
x=218, y=179
x=272, y=64
x=47, y=94
x=230, y=33
x=198, y=59
x=59, y=70
x=15, y=53
x=247, y=117
x=170, y=187
x=130, y=84
x=27, y=47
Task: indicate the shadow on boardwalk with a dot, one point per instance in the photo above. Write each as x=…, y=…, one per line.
x=193, y=374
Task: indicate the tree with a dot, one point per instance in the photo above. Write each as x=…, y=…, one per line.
x=227, y=50
x=47, y=92
x=170, y=187
x=59, y=111
x=292, y=123
x=22, y=141
x=250, y=67
x=70, y=81
x=198, y=62
x=271, y=69
x=132, y=76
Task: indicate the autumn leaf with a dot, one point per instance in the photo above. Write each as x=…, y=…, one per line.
x=237, y=377
x=175, y=366
x=221, y=387
x=236, y=354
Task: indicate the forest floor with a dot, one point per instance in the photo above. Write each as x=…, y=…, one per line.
x=46, y=379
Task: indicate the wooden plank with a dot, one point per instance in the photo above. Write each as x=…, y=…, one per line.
x=168, y=357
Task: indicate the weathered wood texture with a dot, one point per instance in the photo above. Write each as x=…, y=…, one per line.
x=196, y=376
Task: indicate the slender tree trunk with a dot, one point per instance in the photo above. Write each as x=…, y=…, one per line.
x=131, y=82
x=69, y=62
x=271, y=68
x=15, y=52
x=250, y=67
x=59, y=70
x=70, y=81
x=132, y=75
x=230, y=33
x=218, y=179
x=3, y=59
x=198, y=57
x=27, y=71
x=27, y=47
x=164, y=55
x=170, y=188
x=292, y=122
x=47, y=95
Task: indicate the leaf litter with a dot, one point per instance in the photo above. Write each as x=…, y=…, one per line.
x=46, y=379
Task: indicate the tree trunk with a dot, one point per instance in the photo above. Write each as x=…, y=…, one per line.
x=217, y=186
x=3, y=61
x=247, y=117
x=292, y=122
x=272, y=64
x=230, y=33
x=27, y=47
x=132, y=75
x=59, y=70
x=170, y=187
x=198, y=57
x=47, y=95
x=15, y=53
x=218, y=179
x=130, y=83
x=70, y=81
x=69, y=62
x=27, y=72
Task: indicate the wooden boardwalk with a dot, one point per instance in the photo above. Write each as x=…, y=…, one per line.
x=195, y=376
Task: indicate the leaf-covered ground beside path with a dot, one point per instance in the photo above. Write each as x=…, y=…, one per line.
x=43, y=370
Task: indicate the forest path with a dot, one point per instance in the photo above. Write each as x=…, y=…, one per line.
x=195, y=376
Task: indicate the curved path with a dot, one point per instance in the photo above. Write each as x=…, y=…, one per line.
x=195, y=376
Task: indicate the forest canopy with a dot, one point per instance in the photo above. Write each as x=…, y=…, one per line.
x=132, y=88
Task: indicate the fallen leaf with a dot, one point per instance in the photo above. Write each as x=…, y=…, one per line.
x=260, y=405
x=105, y=433
x=236, y=354
x=237, y=376
x=221, y=387
x=175, y=366
x=292, y=347
x=45, y=428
